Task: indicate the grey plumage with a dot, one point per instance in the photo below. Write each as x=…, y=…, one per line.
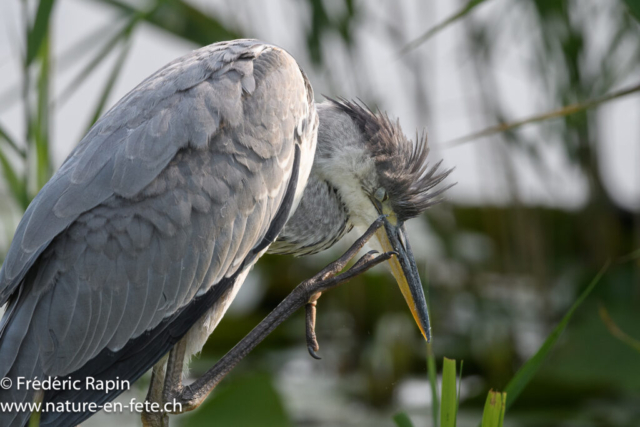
x=163, y=199
x=402, y=166
x=320, y=221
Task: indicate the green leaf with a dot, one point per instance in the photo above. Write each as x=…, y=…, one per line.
x=402, y=420
x=433, y=382
x=182, y=19
x=494, y=408
x=38, y=32
x=634, y=8
x=472, y=4
x=449, y=405
x=529, y=369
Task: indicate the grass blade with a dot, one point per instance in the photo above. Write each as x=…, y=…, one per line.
x=88, y=43
x=15, y=184
x=616, y=331
x=433, y=382
x=34, y=420
x=562, y=112
x=124, y=33
x=529, y=369
x=41, y=129
x=113, y=76
x=494, y=409
x=402, y=420
x=449, y=405
x=459, y=386
x=12, y=143
x=64, y=61
x=472, y=4
x=39, y=30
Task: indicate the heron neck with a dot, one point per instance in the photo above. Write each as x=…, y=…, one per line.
x=320, y=220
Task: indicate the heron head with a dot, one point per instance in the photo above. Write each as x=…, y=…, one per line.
x=379, y=171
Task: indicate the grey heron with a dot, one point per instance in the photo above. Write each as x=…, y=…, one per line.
x=138, y=244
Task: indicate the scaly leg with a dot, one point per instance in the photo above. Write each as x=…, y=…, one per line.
x=175, y=364
x=154, y=418
x=312, y=341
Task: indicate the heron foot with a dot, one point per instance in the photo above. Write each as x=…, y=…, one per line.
x=312, y=341
x=331, y=271
x=306, y=294
x=363, y=264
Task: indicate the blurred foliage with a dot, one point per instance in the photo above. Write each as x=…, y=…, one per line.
x=524, y=375
x=248, y=400
x=496, y=403
x=472, y=4
x=505, y=275
x=181, y=19
x=322, y=24
x=634, y=7
x=616, y=331
x=402, y=420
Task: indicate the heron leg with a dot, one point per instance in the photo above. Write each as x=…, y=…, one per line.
x=191, y=396
x=154, y=396
x=173, y=376
x=165, y=383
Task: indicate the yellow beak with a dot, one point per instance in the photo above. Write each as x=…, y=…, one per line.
x=403, y=268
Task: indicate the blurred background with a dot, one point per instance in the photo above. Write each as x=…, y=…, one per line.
x=537, y=211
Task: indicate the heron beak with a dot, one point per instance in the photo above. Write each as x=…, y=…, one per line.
x=403, y=268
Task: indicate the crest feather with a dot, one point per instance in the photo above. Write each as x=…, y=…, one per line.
x=401, y=164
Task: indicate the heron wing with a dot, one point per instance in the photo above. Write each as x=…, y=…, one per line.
x=182, y=105
x=165, y=199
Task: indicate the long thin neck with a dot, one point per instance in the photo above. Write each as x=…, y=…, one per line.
x=320, y=220
x=322, y=217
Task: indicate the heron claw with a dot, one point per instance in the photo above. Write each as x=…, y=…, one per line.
x=313, y=353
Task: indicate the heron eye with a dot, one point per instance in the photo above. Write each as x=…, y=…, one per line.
x=381, y=195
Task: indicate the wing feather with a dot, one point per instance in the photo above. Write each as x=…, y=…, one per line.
x=180, y=106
